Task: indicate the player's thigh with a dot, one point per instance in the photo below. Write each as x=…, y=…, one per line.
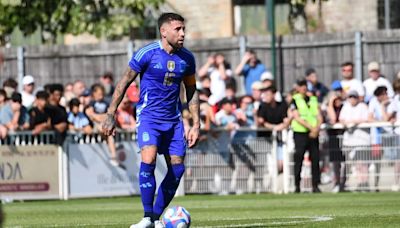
x=174, y=142
x=148, y=138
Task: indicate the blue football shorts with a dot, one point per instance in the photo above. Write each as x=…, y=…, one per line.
x=168, y=137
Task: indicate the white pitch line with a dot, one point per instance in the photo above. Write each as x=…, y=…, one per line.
x=310, y=219
x=257, y=224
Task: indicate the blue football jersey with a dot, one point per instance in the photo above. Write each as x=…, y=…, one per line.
x=160, y=77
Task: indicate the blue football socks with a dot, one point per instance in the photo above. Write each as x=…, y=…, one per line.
x=147, y=184
x=167, y=189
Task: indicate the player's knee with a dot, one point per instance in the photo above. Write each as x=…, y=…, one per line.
x=149, y=154
x=175, y=160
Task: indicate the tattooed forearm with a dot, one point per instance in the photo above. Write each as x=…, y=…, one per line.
x=122, y=86
x=194, y=104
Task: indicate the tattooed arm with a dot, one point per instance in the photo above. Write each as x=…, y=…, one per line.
x=119, y=92
x=194, y=108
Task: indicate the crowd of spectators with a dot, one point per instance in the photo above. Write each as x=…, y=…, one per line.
x=79, y=108
x=76, y=107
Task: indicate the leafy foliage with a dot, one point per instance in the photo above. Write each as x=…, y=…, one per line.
x=108, y=18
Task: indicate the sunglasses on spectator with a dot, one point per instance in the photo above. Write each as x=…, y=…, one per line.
x=353, y=96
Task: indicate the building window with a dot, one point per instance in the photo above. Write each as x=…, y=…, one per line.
x=250, y=17
x=394, y=14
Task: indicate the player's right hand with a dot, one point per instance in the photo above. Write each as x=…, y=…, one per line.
x=108, y=126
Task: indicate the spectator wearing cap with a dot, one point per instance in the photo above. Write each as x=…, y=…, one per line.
x=356, y=139
x=39, y=116
x=337, y=88
x=256, y=93
x=28, y=98
x=349, y=83
x=267, y=80
x=314, y=86
x=251, y=68
x=13, y=116
x=305, y=125
x=374, y=81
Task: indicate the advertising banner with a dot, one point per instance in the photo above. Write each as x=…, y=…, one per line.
x=92, y=175
x=30, y=172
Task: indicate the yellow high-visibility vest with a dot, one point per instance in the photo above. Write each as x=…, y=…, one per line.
x=308, y=112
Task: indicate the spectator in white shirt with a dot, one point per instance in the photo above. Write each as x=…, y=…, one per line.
x=394, y=154
x=219, y=72
x=28, y=97
x=355, y=139
x=374, y=81
x=349, y=83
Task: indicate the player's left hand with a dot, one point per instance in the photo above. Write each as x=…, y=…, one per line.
x=192, y=137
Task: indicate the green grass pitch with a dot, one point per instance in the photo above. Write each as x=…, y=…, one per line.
x=265, y=210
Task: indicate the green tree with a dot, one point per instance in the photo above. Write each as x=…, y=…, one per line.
x=102, y=18
x=298, y=21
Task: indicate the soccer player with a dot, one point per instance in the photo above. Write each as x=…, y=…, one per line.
x=162, y=66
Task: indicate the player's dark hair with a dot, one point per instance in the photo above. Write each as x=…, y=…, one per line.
x=380, y=91
x=42, y=95
x=168, y=17
x=347, y=64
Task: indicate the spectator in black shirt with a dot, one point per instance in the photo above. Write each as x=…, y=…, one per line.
x=273, y=115
x=39, y=117
x=57, y=113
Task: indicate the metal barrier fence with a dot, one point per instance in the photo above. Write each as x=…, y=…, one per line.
x=223, y=163
x=26, y=138
x=367, y=157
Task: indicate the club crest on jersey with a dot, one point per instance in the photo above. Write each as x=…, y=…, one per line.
x=171, y=65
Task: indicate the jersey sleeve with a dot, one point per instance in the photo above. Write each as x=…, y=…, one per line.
x=191, y=68
x=139, y=60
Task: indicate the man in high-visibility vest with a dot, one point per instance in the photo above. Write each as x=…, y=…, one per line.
x=306, y=121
